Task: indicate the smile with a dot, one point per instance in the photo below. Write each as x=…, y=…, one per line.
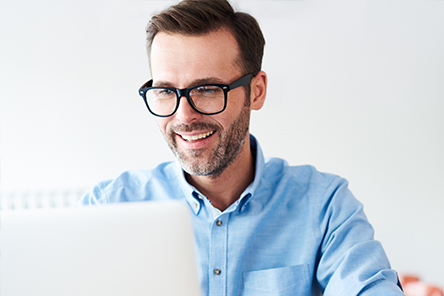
x=197, y=137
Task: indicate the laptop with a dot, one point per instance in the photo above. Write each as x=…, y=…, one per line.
x=137, y=248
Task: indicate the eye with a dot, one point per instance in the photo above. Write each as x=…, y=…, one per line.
x=163, y=93
x=206, y=91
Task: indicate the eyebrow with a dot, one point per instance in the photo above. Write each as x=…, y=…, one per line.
x=196, y=82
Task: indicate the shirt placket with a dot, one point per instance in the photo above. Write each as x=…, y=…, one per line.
x=217, y=267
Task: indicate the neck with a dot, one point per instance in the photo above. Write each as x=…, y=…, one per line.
x=226, y=188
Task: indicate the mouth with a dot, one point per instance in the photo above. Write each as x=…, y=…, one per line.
x=196, y=137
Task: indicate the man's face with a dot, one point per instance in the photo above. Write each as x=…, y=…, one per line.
x=204, y=144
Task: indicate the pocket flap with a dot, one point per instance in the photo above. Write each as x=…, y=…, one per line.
x=275, y=279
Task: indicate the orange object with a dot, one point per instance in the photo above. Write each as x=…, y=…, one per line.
x=413, y=286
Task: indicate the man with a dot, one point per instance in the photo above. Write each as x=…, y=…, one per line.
x=262, y=227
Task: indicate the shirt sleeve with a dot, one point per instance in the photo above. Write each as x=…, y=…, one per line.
x=351, y=261
x=94, y=196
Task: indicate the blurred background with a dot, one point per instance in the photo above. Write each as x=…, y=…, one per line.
x=356, y=88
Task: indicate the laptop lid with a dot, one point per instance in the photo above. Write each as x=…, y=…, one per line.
x=143, y=248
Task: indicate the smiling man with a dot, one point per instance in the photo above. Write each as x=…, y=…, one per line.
x=214, y=150
x=262, y=227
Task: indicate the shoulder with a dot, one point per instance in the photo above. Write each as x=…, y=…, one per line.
x=137, y=178
x=133, y=185
x=308, y=187
x=279, y=170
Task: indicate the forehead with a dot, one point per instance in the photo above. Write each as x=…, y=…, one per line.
x=177, y=57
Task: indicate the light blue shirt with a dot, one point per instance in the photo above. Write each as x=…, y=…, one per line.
x=293, y=231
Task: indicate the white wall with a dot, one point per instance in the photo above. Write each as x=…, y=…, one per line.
x=355, y=88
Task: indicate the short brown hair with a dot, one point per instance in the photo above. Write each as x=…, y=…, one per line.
x=198, y=17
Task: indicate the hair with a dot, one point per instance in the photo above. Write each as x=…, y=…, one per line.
x=199, y=17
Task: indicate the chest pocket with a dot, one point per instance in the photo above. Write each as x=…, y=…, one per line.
x=284, y=281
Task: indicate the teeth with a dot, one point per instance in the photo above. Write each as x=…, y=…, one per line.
x=196, y=137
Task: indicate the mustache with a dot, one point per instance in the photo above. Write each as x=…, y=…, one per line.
x=195, y=126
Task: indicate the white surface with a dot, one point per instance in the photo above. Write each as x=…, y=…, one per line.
x=355, y=88
x=120, y=249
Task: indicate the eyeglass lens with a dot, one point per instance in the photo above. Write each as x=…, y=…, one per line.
x=206, y=99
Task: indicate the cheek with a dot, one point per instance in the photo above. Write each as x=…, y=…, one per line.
x=162, y=124
x=232, y=113
x=237, y=100
x=225, y=119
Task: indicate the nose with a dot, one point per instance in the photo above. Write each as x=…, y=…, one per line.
x=185, y=113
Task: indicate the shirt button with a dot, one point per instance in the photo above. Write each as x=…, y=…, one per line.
x=219, y=223
x=195, y=205
x=217, y=271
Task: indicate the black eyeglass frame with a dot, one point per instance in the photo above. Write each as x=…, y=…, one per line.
x=185, y=92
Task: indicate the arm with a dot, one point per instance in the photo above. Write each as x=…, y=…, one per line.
x=93, y=196
x=351, y=262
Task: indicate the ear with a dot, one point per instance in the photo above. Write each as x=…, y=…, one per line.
x=258, y=90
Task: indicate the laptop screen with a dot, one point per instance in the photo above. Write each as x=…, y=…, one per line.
x=133, y=249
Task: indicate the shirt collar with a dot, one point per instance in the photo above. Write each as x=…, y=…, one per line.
x=195, y=198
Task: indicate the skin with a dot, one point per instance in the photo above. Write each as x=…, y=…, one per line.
x=221, y=165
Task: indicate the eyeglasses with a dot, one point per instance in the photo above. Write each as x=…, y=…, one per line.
x=207, y=99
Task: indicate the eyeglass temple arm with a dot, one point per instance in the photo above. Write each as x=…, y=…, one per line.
x=241, y=81
x=147, y=84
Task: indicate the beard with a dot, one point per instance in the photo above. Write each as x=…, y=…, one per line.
x=230, y=143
